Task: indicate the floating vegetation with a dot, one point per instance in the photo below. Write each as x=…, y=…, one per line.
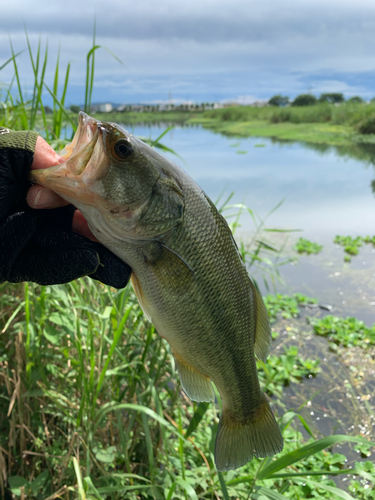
x=287, y=305
x=282, y=370
x=308, y=247
x=346, y=332
x=352, y=245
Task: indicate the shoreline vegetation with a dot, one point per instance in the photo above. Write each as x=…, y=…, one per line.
x=91, y=404
x=346, y=124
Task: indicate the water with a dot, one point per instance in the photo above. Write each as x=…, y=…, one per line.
x=325, y=192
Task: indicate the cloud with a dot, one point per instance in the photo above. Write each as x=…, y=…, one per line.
x=202, y=48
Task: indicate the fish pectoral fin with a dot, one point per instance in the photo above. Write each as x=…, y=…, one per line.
x=237, y=441
x=263, y=336
x=140, y=295
x=171, y=269
x=196, y=386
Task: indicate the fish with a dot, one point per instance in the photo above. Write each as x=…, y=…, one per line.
x=187, y=273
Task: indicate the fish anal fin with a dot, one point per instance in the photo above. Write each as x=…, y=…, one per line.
x=237, y=441
x=263, y=336
x=197, y=387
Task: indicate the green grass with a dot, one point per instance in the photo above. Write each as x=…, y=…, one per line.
x=346, y=125
x=96, y=409
x=351, y=114
x=342, y=125
x=91, y=402
x=318, y=133
x=151, y=118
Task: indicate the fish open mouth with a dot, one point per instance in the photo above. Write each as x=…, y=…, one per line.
x=68, y=179
x=87, y=131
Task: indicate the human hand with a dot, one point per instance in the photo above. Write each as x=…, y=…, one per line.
x=39, y=197
x=42, y=245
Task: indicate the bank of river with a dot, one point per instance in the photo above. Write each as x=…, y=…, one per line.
x=322, y=124
x=316, y=133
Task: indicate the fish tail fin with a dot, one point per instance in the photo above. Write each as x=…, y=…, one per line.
x=238, y=441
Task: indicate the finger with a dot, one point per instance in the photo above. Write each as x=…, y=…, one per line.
x=41, y=197
x=44, y=155
x=80, y=226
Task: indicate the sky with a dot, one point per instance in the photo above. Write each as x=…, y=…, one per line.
x=199, y=50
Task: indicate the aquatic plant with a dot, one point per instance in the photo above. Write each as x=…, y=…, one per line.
x=352, y=245
x=287, y=305
x=308, y=247
x=346, y=332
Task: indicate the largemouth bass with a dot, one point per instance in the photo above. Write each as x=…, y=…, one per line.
x=186, y=272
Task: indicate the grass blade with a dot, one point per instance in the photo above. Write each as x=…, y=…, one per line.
x=143, y=409
x=154, y=142
x=331, y=489
x=223, y=486
x=74, y=125
x=197, y=417
x=81, y=489
x=10, y=60
x=187, y=487
x=306, y=451
x=271, y=494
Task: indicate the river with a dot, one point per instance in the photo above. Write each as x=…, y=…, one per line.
x=324, y=191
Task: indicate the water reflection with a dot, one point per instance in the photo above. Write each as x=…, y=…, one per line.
x=326, y=189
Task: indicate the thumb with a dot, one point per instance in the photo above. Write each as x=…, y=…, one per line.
x=38, y=196
x=44, y=155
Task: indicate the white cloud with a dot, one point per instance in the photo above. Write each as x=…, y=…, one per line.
x=200, y=47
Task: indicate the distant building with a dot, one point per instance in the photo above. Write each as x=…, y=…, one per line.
x=105, y=108
x=166, y=106
x=260, y=104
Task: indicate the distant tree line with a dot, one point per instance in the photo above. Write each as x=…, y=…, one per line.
x=310, y=100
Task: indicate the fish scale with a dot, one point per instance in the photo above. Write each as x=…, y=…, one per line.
x=186, y=272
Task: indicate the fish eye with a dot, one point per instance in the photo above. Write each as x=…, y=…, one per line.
x=123, y=149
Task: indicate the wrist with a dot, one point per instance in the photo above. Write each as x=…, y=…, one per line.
x=22, y=139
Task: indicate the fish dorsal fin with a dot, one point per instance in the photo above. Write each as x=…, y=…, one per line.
x=170, y=267
x=263, y=337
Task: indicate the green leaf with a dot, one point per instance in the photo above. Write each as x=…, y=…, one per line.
x=112, y=406
x=188, y=488
x=223, y=486
x=271, y=494
x=91, y=488
x=39, y=482
x=154, y=142
x=332, y=489
x=107, y=455
x=197, y=417
x=15, y=483
x=51, y=334
x=305, y=451
x=62, y=320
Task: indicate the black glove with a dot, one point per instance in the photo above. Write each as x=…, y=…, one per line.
x=39, y=245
